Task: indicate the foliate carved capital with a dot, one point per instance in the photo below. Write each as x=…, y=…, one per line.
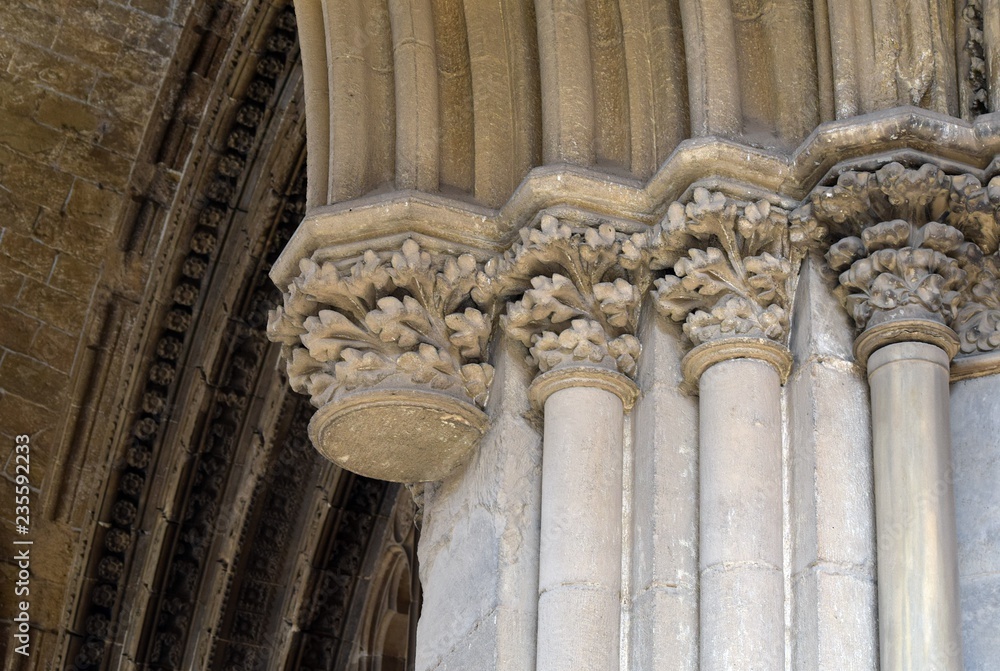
x=574, y=293
x=400, y=320
x=912, y=244
x=733, y=267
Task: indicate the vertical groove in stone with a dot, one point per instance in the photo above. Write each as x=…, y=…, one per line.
x=362, y=101
x=713, y=75
x=657, y=81
x=612, y=133
x=991, y=52
x=415, y=77
x=312, y=41
x=887, y=53
x=567, y=82
x=788, y=31
x=457, y=132
x=503, y=57
x=824, y=62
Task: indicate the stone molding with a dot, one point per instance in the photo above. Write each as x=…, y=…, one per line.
x=546, y=384
x=706, y=355
x=906, y=133
x=914, y=245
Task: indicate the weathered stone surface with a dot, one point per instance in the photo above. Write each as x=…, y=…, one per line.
x=975, y=415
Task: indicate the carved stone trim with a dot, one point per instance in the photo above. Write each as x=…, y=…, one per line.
x=546, y=384
x=704, y=356
x=734, y=266
x=904, y=330
x=389, y=321
x=968, y=367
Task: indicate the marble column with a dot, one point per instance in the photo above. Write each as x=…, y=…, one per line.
x=733, y=266
x=910, y=249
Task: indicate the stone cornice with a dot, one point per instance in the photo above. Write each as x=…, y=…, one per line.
x=908, y=134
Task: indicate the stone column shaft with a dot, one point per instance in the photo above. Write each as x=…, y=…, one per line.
x=919, y=618
x=742, y=588
x=579, y=603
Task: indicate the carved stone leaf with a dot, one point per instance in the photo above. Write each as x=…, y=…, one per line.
x=404, y=322
x=583, y=342
x=283, y=328
x=477, y=378
x=330, y=332
x=429, y=365
x=362, y=369
x=706, y=272
x=619, y=301
x=674, y=299
x=470, y=332
x=768, y=275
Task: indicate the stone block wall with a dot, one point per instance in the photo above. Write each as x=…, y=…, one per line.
x=79, y=84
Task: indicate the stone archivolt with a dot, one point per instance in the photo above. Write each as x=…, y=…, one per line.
x=914, y=245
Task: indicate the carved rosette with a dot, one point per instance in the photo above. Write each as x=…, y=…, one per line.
x=916, y=252
x=734, y=266
x=392, y=350
x=574, y=290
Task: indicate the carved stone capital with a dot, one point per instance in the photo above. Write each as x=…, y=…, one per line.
x=393, y=329
x=909, y=246
x=573, y=291
x=734, y=266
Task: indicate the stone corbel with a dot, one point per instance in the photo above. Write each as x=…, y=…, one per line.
x=392, y=351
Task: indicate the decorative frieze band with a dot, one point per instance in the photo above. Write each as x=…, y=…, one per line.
x=411, y=329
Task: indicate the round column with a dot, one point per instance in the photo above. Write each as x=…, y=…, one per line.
x=919, y=614
x=742, y=584
x=580, y=564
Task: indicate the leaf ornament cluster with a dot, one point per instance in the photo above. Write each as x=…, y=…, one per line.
x=732, y=266
x=401, y=318
x=573, y=293
x=915, y=243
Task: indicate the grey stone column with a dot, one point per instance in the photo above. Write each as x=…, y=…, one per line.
x=919, y=613
x=742, y=584
x=580, y=563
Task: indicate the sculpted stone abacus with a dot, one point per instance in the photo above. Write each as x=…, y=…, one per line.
x=394, y=330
